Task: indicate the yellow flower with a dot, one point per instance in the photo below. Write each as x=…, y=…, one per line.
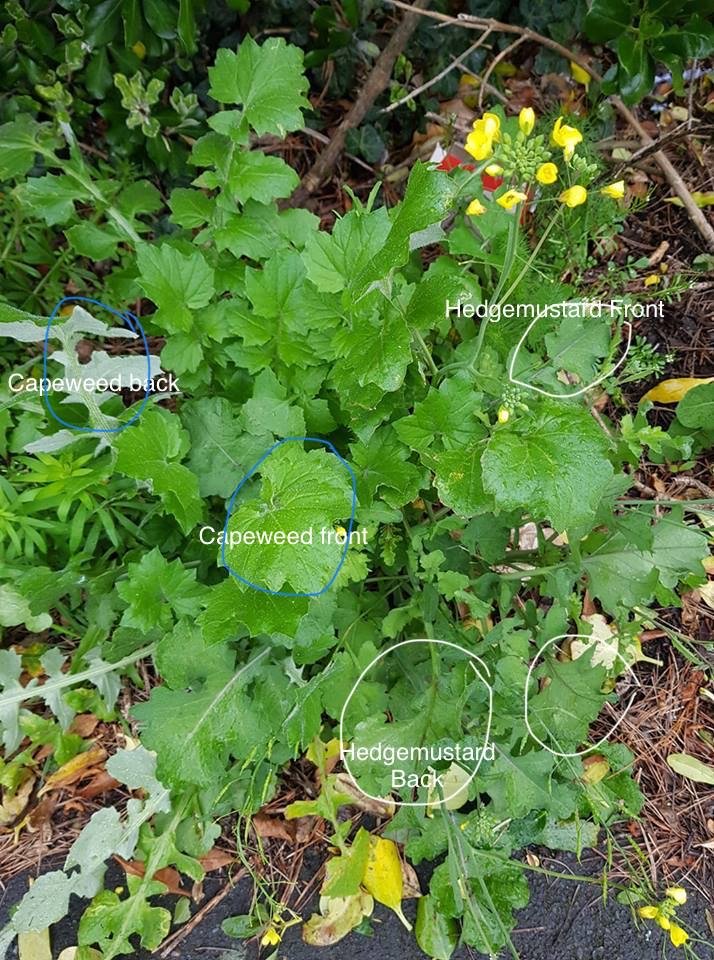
x=579, y=75
x=573, y=196
x=479, y=145
x=139, y=49
x=270, y=938
x=490, y=123
x=652, y=280
x=566, y=137
x=663, y=920
x=648, y=913
x=503, y=414
x=494, y=170
x=526, y=120
x=479, y=142
x=547, y=173
x=510, y=198
x=678, y=894
x=614, y=190
x=475, y=208
x=678, y=936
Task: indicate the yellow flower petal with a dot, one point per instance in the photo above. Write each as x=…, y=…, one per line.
x=475, y=208
x=566, y=137
x=503, y=415
x=547, y=173
x=678, y=936
x=526, y=120
x=573, y=196
x=663, y=920
x=139, y=49
x=479, y=144
x=614, y=190
x=678, y=894
x=652, y=280
x=510, y=198
x=494, y=170
x=578, y=74
x=648, y=913
x=492, y=125
x=270, y=938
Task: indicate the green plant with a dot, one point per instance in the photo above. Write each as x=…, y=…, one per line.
x=645, y=34
x=461, y=433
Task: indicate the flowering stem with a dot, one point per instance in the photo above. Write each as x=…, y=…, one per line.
x=529, y=262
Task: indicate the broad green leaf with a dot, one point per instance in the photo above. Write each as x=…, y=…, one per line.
x=383, y=469
x=696, y=408
x=148, y=451
x=385, y=363
x=104, y=922
x=332, y=259
x=555, y=467
x=158, y=590
x=436, y=934
x=177, y=283
x=304, y=492
x=458, y=476
x=578, y=346
x=428, y=200
x=89, y=240
x=569, y=700
x=220, y=453
x=231, y=605
x=266, y=80
x=190, y=208
x=255, y=176
x=51, y=198
x=19, y=141
x=190, y=729
x=446, y=414
x=345, y=872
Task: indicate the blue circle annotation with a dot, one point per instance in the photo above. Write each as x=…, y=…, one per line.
x=133, y=323
x=236, y=492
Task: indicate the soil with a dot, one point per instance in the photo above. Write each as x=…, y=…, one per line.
x=564, y=921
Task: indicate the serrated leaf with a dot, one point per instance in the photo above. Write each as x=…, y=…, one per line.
x=427, y=201
x=446, y=414
x=555, y=468
x=177, y=283
x=332, y=259
x=304, y=492
x=344, y=873
x=266, y=80
x=190, y=208
x=147, y=451
x=156, y=589
x=696, y=408
x=255, y=176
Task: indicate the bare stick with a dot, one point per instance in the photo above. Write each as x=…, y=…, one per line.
x=376, y=83
x=430, y=83
x=705, y=229
x=492, y=66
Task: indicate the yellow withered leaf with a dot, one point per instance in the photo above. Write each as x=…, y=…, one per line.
x=74, y=769
x=383, y=876
x=672, y=391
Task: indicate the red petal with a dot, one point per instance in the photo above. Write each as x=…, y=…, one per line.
x=450, y=162
x=491, y=183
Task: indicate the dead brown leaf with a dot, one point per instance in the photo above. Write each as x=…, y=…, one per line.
x=170, y=877
x=215, y=859
x=13, y=805
x=410, y=882
x=84, y=724
x=101, y=782
x=276, y=827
